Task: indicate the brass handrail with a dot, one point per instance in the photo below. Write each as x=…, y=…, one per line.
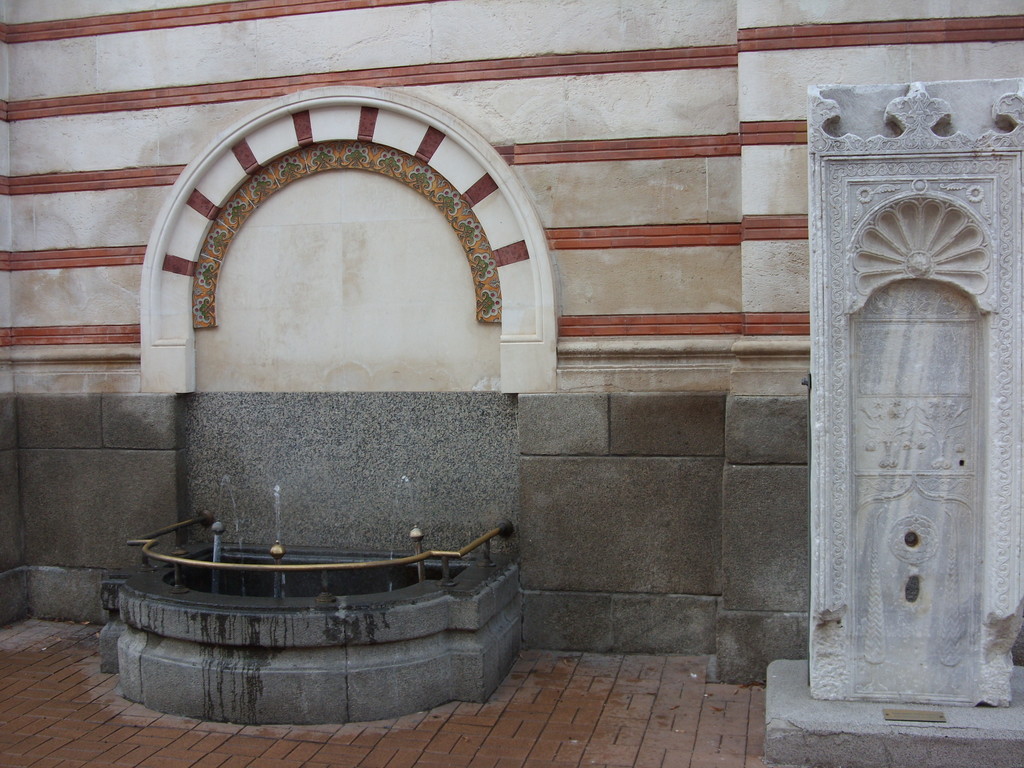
x=504, y=528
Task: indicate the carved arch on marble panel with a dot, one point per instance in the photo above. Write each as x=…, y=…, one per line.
x=921, y=237
x=350, y=128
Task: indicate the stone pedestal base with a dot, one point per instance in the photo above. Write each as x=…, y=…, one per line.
x=802, y=731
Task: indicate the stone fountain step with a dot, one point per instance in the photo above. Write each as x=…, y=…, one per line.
x=801, y=731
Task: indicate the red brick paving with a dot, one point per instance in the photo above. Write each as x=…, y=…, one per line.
x=554, y=710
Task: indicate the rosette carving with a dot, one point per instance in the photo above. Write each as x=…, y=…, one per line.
x=922, y=238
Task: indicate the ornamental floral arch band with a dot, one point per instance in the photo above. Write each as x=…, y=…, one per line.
x=351, y=128
x=345, y=155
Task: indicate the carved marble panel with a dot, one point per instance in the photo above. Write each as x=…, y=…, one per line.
x=916, y=367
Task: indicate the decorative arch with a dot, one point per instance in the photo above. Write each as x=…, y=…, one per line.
x=919, y=236
x=366, y=129
x=345, y=155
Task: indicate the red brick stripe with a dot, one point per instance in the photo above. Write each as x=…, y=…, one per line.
x=367, y=123
x=775, y=227
x=75, y=334
x=428, y=146
x=303, y=128
x=984, y=29
x=75, y=258
x=511, y=254
x=688, y=324
x=651, y=325
x=519, y=154
x=660, y=148
x=481, y=188
x=5, y=337
x=552, y=65
x=773, y=132
x=84, y=181
x=201, y=203
x=243, y=154
x=776, y=324
x=5, y=261
x=217, y=13
x=645, y=236
x=178, y=266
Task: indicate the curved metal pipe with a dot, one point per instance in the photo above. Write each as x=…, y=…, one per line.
x=504, y=529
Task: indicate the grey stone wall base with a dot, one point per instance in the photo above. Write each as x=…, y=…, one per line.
x=340, y=459
x=621, y=524
x=619, y=623
x=13, y=595
x=766, y=430
x=81, y=506
x=764, y=538
x=68, y=594
x=60, y=421
x=563, y=424
x=801, y=731
x=748, y=641
x=666, y=424
x=11, y=524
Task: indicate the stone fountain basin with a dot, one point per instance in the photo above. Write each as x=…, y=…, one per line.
x=369, y=656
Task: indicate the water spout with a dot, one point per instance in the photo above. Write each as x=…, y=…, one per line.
x=218, y=530
x=277, y=551
x=277, y=511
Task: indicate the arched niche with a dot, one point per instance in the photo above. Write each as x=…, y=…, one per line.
x=415, y=144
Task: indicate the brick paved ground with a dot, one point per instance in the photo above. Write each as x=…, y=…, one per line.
x=554, y=710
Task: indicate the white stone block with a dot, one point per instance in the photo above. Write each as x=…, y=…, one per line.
x=85, y=143
x=773, y=84
x=967, y=61
x=21, y=12
x=331, y=123
x=456, y=165
x=498, y=220
x=52, y=68
x=724, y=189
x=774, y=180
x=222, y=178
x=85, y=219
x=394, y=129
x=187, y=237
x=531, y=27
x=6, y=308
x=83, y=296
x=518, y=311
x=5, y=223
x=638, y=104
x=782, y=13
x=273, y=139
x=352, y=39
x=619, y=193
x=650, y=280
x=775, y=276
x=202, y=53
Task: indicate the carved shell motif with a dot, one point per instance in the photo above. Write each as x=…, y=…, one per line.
x=923, y=238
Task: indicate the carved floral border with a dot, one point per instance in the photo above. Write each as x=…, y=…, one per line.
x=345, y=155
